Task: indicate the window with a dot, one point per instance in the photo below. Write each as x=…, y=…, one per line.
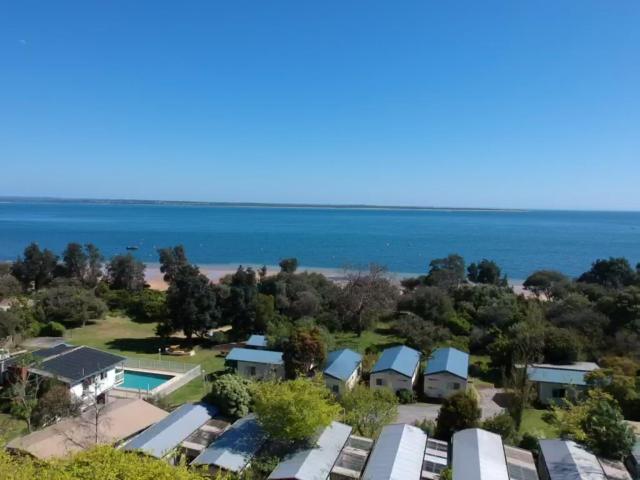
x=335, y=389
x=558, y=393
x=456, y=386
x=252, y=371
x=103, y=375
x=379, y=382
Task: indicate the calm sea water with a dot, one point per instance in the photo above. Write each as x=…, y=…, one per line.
x=402, y=240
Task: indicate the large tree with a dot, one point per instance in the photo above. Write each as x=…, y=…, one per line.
x=69, y=305
x=231, y=393
x=612, y=272
x=367, y=410
x=240, y=303
x=487, y=272
x=124, y=272
x=75, y=261
x=447, y=272
x=293, y=411
x=94, y=264
x=457, y=412
x=35, y=269
x=544, y=282
x=171, y=259
x=304, y=350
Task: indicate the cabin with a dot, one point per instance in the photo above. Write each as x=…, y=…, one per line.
x=562, y=459
x=481, y=455
x=256, y=364
x=556, y=382
x=397, y=369
x=257, y=342
x=88, y=372
x=316, y=462
x=398, y=454
x=343, y=370
x=233, y=451
x=182, y=431
x=446, y=373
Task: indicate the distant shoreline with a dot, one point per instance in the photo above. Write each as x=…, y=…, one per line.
x=187, y=203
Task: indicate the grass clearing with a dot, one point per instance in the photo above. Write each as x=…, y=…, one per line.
x=379, y=338
x=533, y=422
x=10, y=428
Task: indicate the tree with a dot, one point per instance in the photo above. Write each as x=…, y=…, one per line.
x=431, y=303
x=503, y=425
x=304, y=350
x=35, y=269
x=487, y=272
x=231, y=393
x=124, y=272
x=10, y=324
x=288, y=265
x=561, y=346
x=448, y=272
x=171, y=260
x=367, y=410
x=612, y=273
x=457, y=412
x=294, y=410
x=191, y=302
x=75, y=261
x=543, y=282
x=9, y=286
x=69, y=305
x=24, y=389
x=421, y=334
x=365, y=297
x=94, y=265
x=239, y=306
x=54, y=404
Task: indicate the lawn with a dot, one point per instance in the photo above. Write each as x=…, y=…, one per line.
x=121, y=335
x=533, y=422
x=10, y=427
x=381, y=337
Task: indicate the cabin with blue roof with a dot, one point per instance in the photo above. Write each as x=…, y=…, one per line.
x=397, y=369
x=256, y=364
x=343, y=370
x=556, y=382
x=446, y=373
x=257, y=342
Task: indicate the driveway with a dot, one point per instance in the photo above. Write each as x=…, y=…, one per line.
x=492, y=401
x=416, y=412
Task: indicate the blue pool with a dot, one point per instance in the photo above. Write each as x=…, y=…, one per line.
x=144, y=380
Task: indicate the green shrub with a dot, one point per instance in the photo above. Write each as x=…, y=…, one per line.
x=52, y=329
x=406, y=396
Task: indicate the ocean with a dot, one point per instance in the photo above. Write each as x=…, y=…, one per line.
x=402, y=240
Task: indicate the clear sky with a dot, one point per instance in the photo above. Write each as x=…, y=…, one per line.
x=531, y=104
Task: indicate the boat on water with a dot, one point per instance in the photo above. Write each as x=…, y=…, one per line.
x=132, y=247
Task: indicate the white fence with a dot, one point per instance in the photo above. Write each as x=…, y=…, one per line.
x=166, y=365
x=186, y=372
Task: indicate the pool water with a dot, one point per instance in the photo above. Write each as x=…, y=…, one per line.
x=144, y=380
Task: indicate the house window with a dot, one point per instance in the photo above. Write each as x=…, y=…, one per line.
x=103, y=375
x=252, y=371
x=558, y=393
x=335, y=389
x=455, y=385
x=379, y=382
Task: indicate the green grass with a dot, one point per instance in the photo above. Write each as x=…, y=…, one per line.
x=533, y=422
x=381, y=337
x=10, y=428
x=121, y=335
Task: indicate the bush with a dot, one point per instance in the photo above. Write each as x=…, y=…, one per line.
x=52, y=329
x=406, y=396
x=427, y=426
x=457, y=412
x=231, y=394
x=218, y=338
x=503, y=425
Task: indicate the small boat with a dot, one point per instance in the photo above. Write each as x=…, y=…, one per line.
x=132, y=247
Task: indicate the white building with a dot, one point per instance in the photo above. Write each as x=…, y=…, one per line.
x=88, y=372
x=446, y=373
x=343, y=370
x=256, y=364
x=397, y=369
x=556, y=382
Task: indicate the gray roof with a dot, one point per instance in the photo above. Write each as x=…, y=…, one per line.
x=268, y=357
x=236, y=447
x=397, y=455
x=478, y=455
x=159, y=439
x=315, y=463
x=566, y=460
x=73, y=364
x=572, y=374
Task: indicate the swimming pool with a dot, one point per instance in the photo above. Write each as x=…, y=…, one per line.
x=144, y=380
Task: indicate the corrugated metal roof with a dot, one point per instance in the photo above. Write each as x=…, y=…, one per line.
x=566, y=460
x=478, y=455
x=77, y=363
x=236, y=447
x=159, y=439
x=342, y=363
x=51, y=351
x=562, y=374
x=397, y=454
x=449, y=360
x=258, y=341
x=255, y=356
x=315, y=463
x=401, y=359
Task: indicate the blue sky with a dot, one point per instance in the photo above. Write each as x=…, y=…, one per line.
x=484, y=104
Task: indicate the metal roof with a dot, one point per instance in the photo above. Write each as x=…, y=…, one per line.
x=561, y=374
x=315, y=463
x=235, y=448
x=51, y=351
x=397, y=455
x=167, y=434
x=449, y=360
x=566, y=460
x=478, y=455
x=342, y=363
x=74, y=364
x=255, y=356
x=258, y=341
x=401, y=359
